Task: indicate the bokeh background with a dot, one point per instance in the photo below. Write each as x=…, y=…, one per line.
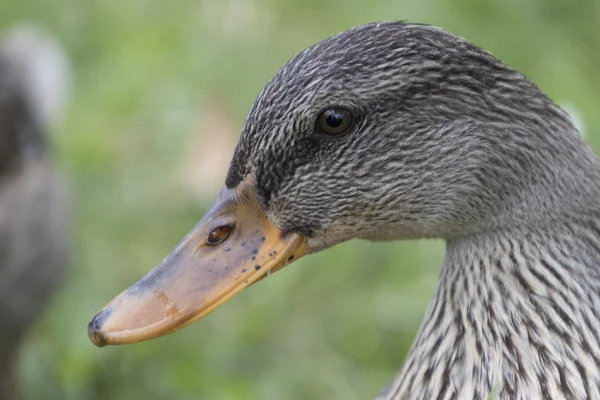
x=160, y=91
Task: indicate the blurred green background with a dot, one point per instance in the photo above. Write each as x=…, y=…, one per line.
x=160, y=93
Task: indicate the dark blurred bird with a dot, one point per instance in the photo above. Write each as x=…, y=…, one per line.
x=33, y=196
x=403, y=131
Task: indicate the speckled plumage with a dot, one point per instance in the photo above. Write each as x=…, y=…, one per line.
x=448, y=142
x=516, y=310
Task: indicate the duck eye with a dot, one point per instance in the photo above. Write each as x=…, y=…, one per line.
x=219, y=235
x=334, y=121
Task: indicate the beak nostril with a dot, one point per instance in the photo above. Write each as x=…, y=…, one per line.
x=219, y=234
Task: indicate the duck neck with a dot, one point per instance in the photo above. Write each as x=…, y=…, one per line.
x=515, y=311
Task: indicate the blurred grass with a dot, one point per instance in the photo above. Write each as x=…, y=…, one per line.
x=333, y=325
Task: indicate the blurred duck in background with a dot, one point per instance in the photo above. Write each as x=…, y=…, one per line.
x=34, y=77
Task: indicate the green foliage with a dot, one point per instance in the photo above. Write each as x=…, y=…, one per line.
x=334, y=325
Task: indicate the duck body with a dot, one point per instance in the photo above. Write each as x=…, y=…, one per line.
x=33, y=255
x=403, y=131
x=33, y=204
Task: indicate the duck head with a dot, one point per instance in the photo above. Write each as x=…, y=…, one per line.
x=385, y=131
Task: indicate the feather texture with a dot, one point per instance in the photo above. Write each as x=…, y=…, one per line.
x=448, y=142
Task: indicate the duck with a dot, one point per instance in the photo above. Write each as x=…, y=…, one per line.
x=395, y=131
x=34, y=197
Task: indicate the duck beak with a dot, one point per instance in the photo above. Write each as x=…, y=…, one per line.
x=199, y=275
